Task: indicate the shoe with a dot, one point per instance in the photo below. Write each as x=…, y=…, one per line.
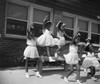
x=79, y=82
x=26, y=75
x=93, y=78
x=56, y=55
x=51, y=60
x=66, y=79
x=38, y=75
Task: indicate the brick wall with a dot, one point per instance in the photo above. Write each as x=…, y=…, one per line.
x=11, y=52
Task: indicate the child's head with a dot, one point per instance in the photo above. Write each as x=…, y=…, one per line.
x=76, y=39
x=60, y=25
x=88, y=41
x=47, y=23
x=30, y=32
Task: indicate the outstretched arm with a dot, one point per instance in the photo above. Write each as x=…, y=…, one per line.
x=67, y=36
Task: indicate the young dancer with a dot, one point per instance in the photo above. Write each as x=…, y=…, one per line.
x=46, y=39
x=60, y=35
x=31, y=52
x=72, y=58
x=90, y=62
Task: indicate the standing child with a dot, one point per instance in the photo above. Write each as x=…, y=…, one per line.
x=90, y=62
x=60, y=35
x=31, y=52
x=72, y=58
x=46, y=39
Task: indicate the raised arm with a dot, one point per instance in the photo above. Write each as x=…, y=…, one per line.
x=67, y=35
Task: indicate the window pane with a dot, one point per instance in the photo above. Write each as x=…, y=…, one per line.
x=95, y=28
x=68, y=32
x=17, y=11
x=95, y=38
x=69, y=21
x=84, y=36
x=83, y=25
x=16, y=27
x=38, y=29
x=39, y=15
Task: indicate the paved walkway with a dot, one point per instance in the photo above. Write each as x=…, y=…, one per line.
x=17, y=76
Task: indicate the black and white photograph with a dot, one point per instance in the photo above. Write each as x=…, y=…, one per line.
x=49, y=41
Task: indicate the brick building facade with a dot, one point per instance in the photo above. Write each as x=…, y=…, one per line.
x=17, y=15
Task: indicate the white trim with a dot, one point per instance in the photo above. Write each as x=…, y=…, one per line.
x=16, y=19
x=15, y=36
x=95, y=33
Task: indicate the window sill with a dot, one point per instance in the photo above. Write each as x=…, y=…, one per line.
x=15, y=36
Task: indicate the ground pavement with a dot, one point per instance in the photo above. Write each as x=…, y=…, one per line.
x=17, y=76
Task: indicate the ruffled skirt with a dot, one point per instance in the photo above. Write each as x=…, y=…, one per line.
x=45, y=40
x=90, y=61
x=31, y=52
x=71, y=58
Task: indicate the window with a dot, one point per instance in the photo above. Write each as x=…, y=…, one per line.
x=16, y=19
x=95, y=35
x=83, y=28
x=19, y=18
x=69, y=21
x=38, y=17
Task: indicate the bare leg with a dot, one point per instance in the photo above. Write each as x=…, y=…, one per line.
x=71, y=71
x=56, y=53
x=26, y=65
x=39, y=67
x=78, y=73
x=26, y=68
x=48, y=53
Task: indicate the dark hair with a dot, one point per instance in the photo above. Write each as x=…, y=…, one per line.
x=88, y=40
x=59, y=25
x=30, y=32
x=47, y=24
x=76, y=37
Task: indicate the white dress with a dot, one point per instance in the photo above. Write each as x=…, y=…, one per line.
x=46, y=39
x=61, y=40
x=99, y=53
x=90, y=60
x=31, y=50
x=72, y=56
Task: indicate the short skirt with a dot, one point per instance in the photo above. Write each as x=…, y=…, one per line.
x=90, y=61
x=71, y=58
x=31, y=52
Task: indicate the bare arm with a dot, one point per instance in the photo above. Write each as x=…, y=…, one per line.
x=67, y=35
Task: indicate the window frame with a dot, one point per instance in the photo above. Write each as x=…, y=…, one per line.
x=78, y=17
x=30, y=12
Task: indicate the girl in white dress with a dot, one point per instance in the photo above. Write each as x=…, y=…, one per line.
x=72, y=58
x=31, y=51
x=60, y=35
x=90, y=62
x=46, y=39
